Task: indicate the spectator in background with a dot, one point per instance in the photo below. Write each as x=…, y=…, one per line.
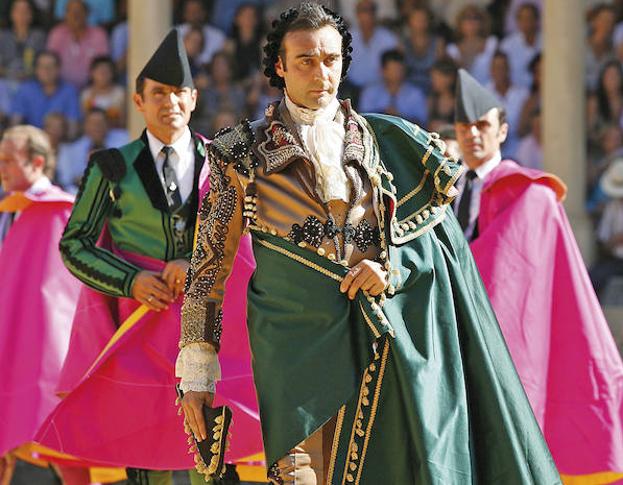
x=55, y=126
x=610, y=229
x=193, y=43
x=530, y=150
x=224, y=12
x=610, y=147
x=605, y=104
x=533, y=102
x=394, y=95
x=73, y=157
x=523, y=45
x=194, y=14
x=119, y=42
x=5, y=103
x=386, y=12
x=222, y=94
x=101, y=12
x=103, y=93
x=422, y=47
x=369, y=43
x=474, y=47
x=245, y=43
x=260, y=95
x=45, y=94
x=440, y=101
x=601, y=21
x=447, y=11
x=77, y=43
x=511, y=20
x=223, y=119
x=511, y=97
x=20, y=43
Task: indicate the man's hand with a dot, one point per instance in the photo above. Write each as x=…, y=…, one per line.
x=366, y=276
x=174, y=275
x=151, y=291
x=192, y=404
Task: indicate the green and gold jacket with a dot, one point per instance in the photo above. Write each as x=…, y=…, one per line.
x=418, y=380
x=121, y=191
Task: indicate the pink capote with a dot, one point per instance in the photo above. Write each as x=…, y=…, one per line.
x=122, y=412
x=554, y=327
x=38, y=299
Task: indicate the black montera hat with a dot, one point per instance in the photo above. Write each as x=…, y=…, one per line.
x=169, y=64
x=472, y=99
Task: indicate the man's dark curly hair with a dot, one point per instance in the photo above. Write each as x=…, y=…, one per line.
x=307, y=16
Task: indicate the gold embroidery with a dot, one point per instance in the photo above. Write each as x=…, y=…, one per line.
x=369, y=322
x=336, y=441
x=428, y=153
x=375, y=402
x=301, y=260
x=414, y=191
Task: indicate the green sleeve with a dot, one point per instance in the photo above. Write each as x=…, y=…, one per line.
x=94, y=266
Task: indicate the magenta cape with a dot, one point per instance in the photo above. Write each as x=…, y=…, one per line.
x=121, y=410
x=554, y=327
x=37, y=303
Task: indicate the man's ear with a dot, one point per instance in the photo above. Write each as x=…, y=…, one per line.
x=503, y=133
x=38, y=162
x=280, y=67
x=138, y=101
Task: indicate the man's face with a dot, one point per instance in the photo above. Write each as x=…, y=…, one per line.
x=165, y=108
x=481, y=140
x=500, y=72
x=311, y=66
x=527, y=22
x=194, y=12
x=47, y=70
x=76, y=15
x=366, y=15
x=96, y=127
x=17, y=172
x=394, y=72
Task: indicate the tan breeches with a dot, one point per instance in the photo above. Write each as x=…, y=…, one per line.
x=308, y=462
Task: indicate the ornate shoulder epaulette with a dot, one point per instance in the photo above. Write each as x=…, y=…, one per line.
x=233, y=145
x=113, y=168
x=111, y=163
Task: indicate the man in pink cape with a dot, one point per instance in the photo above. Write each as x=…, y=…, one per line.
x=39, y=295
x=538, y=285
x=129, y=239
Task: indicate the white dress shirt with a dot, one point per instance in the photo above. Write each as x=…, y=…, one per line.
x=182, y=159
x=474, y=208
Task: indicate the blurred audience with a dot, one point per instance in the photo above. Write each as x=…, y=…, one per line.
x=77, y=43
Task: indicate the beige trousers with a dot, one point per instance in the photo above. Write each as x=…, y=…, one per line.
x=308, y=462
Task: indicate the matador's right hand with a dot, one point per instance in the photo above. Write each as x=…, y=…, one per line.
x=192, y=404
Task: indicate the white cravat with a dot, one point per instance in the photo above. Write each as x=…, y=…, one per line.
x=324, y=140
x=182, y=159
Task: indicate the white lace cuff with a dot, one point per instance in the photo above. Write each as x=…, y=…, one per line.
x=198, y=367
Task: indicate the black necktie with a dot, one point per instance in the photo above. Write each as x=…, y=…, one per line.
x=172, y=190
x=466, y=200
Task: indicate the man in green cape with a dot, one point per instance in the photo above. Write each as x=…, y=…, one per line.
x=376, y=355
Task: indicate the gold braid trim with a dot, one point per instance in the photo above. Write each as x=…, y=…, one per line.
x=336, y=440
x=375, y=403
x=369, y=322
x=301, y=260
x=427, y=155
x=414, y=191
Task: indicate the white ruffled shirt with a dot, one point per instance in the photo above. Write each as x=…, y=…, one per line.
x=197, y=363
x=324, y=140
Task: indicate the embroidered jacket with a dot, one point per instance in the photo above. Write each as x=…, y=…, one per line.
x=121, y=190
x=262, y=180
